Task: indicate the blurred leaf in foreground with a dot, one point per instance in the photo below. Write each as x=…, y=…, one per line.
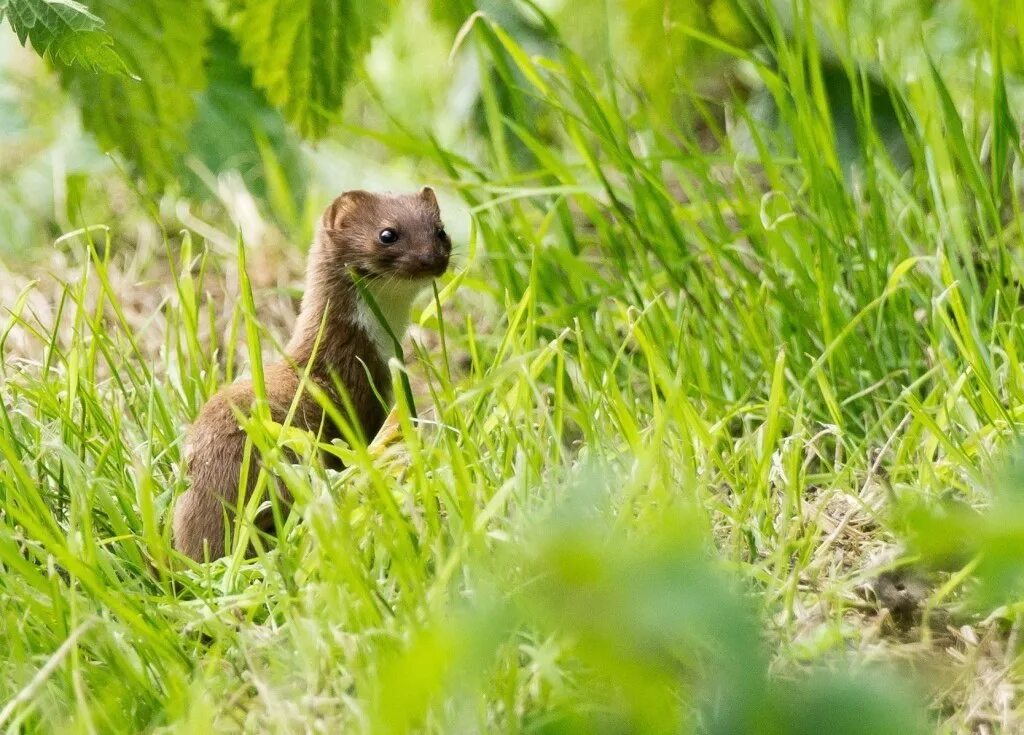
x=989, y=543
x=638, y=634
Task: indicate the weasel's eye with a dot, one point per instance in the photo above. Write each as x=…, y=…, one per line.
x=388, y=236
x=440, y=234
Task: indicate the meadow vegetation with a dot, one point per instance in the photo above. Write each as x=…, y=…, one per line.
x=714, y=417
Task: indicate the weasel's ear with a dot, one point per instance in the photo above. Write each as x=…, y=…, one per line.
x=427, y=195
x=343, y=205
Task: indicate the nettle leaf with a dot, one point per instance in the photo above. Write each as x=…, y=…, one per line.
x=302, y=52
x=63, y=31
x=146, y=118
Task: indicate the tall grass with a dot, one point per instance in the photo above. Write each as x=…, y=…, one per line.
x=679, y=411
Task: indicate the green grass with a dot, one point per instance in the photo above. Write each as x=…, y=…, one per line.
x=683, y=407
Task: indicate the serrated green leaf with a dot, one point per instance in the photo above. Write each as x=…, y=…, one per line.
x=302, y=52
x=63, y=31
x=146, y=119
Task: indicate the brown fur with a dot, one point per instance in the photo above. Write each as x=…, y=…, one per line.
x=346, y=242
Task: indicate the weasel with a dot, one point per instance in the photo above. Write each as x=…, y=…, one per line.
x=394, y=245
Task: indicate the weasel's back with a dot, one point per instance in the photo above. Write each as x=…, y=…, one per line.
x=213, y=457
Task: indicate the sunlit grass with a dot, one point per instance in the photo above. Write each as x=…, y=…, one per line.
x=682, y=408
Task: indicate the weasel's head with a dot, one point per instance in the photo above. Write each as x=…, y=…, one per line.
x=387, y=235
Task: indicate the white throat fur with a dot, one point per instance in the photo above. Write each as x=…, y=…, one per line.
x=394, y=299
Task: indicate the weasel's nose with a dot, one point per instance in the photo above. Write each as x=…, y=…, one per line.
x=435, y=263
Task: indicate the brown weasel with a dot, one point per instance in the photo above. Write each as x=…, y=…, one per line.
x=394, y=245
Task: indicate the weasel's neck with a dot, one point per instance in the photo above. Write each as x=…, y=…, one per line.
x=335, y=310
